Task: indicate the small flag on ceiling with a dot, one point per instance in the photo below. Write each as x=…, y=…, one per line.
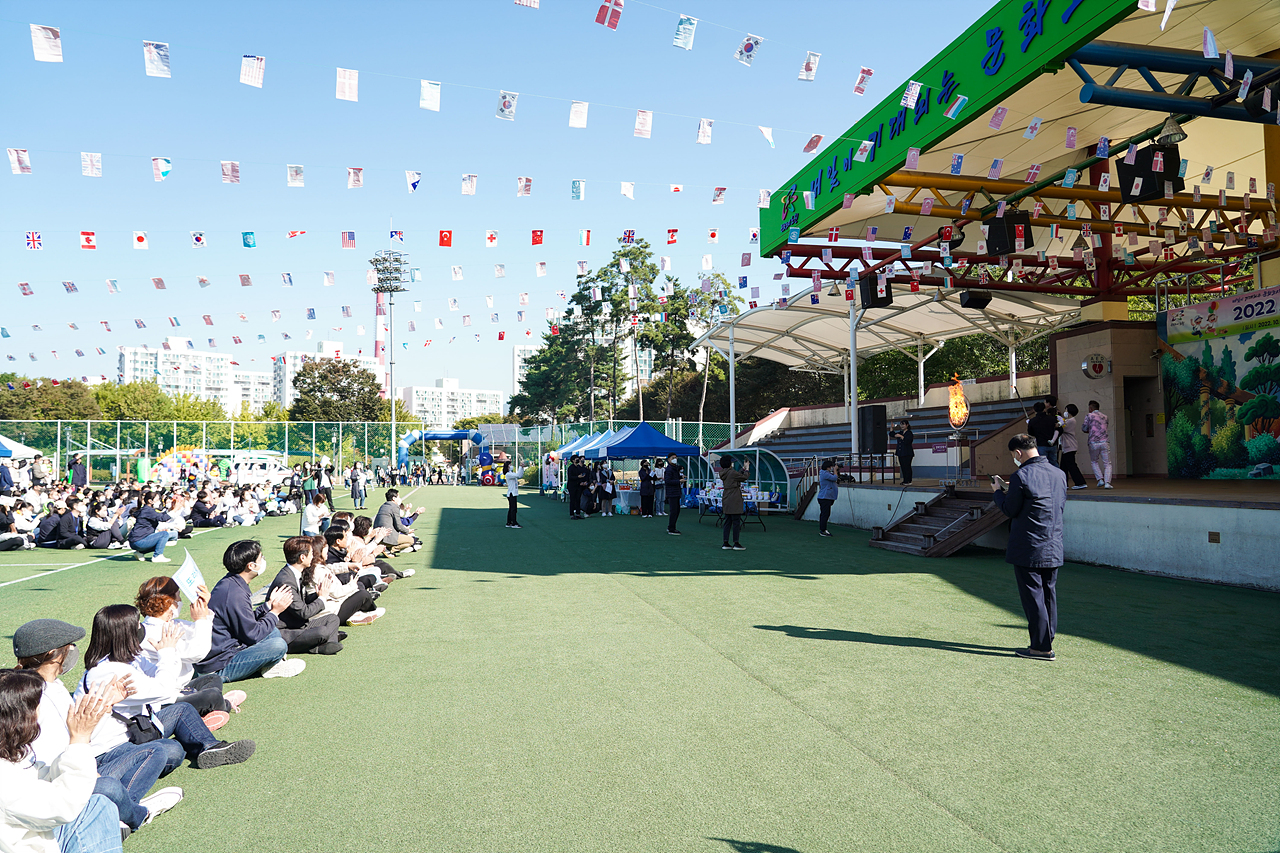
x=429, y=96
x=507, y=105
x=90, y=164
x=348, y=85
x=748, y=49
x=348, y=239
x=252, y=70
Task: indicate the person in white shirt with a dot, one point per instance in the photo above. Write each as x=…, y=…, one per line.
x=114, y=647
x=512, y=476
x=50, y=808
x=314, y=515
x=159, y=603
x=46, y=647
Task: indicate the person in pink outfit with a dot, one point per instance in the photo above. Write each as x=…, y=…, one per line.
x=1095, y=426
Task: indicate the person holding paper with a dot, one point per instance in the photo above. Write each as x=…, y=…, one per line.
x=246, y=640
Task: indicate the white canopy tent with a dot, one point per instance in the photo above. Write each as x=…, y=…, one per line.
x=833, y=335
x=17, y=450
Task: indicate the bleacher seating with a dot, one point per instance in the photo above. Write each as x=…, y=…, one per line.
x=929, y=425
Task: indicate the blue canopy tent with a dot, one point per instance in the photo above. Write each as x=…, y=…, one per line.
x=581, y=441
x=640, y=442
x=602, y=438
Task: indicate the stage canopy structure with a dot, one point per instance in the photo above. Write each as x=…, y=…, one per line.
x=1033, y=174
x=640, y=442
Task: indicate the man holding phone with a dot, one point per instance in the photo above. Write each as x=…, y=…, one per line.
x=1034, y=499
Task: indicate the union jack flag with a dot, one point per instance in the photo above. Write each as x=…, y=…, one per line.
x=348, y=239
x=34, y=241
x=629, y=236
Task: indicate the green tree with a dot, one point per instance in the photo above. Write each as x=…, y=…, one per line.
x=68, y=400
x=273, y=411
x=188, y=407
x=404, y=417
x=474, y=423
x=557, y=385
x=336, y=390
x=133, y=401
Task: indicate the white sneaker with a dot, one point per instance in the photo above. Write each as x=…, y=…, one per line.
x=1099, y=484
x=161, y=559
x=114, y=546
x=160, y=802
x=79, y=547
x=408, y=572
x=286, y=669
x=1106, y=485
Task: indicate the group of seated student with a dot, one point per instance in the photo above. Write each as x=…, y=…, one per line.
x=77, y=766
x=144, y=519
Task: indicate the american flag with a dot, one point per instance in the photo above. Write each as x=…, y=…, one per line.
x=629, y=236
x=34, y=241
x=348, y=239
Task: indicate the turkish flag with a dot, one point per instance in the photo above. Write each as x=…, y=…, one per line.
x=502, y=336
x=446, y=238
x=537, y=237
x=555, y=330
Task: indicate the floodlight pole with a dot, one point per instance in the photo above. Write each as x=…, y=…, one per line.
x=391, y=270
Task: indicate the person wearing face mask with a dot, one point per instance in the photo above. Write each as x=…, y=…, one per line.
x=1034, y=499
x=246, y=641
x=673, y=484
x=646, y=490
x=47, y=648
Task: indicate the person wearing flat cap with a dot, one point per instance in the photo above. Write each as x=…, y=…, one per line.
x=47, y=647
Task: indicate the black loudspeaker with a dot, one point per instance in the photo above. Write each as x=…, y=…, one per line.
x=873, y=429
x=873, y=295
x=1002, y=234
x=1152, y=181
x=975, y=299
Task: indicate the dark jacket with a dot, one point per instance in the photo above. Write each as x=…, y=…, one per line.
x=732, y=503
x=1042, y=428
x=646, y=482
x=671, y=480
x=906, y=448
x=47, y=529
x=302, y=608
x=6, y=479
x=201, y=515
x=70, y=527
x=145, y=524
x=236, y=624
x=1035, y=501
x=79, y=474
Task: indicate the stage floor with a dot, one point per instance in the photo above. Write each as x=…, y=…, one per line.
x=1245, y=494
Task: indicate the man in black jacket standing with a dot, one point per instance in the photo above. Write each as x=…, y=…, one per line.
x=573, y=485
x=905, y=451
x=673, y=487
x=1034, y=498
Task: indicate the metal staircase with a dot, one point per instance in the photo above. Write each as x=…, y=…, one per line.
x=941, y=525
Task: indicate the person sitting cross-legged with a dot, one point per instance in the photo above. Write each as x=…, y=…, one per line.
x=304, y=624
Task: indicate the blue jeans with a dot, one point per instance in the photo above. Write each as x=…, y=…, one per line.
x=264, y=654
x=127, y=772
x=95, y=830
x=155, y=542
x=182, y=722
x=1050, y=453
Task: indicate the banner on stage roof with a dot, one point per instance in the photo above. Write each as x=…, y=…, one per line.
x=644, y=124
x=155, y=58
x=578, y=114
x=685, y=29
x=507, y=105
x=747, y=50
x=20, y=161
x=429, y=96
x=46, y=43
x=348, y=88
x=810, y=67
x=704, y=131
x=90, y=164
x=230, y=172
x=252, y=70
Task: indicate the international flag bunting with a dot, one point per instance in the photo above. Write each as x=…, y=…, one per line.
x=469, y=184
x=245, y=280
x=46, y=43
x=293, y=175
x=252, y=70
x=230, y=172
x=507, y=105
x=814, y=142
x=704, y=131
x=140, y=240
x=671, y=236
x=88, y=240
x=810, y=67
x=20, y=161
x=286, y=279
x=161, y=167
x=717, y=195
x=608, y=14
x=397, y=237
x=541, y=268
x=348, y=85
x=412, y=179
x=70, y=287
x=578, y=190
x=584, y=237
x=348, y=239
x=644, y=124
x=429, y=96
x=90, y=164
x=524, y=187
x=747, y=50
x=629, y=236
x=355, y=177
x=197, y=240
x=173, y=321
x=537, y=237
x=864, y=76
x=957, y=105
x=248, y=240
x=499, y=270
x=158, y=283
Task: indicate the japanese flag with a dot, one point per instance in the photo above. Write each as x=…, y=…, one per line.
x=140, y=240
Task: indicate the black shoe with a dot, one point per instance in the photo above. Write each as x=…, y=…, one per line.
x=673, y=532
x=330, y=648
x=342, y=635
x=738, y=547
x=726, y=547
x=223, y=753
x=1033, y=654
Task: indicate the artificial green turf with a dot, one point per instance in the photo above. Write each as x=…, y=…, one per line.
x=600, y=686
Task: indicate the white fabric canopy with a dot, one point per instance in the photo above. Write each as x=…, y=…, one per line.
x=18, y=449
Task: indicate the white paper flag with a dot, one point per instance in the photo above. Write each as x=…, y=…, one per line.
x=412, y=179
x=469, y=184
x=747, y=51
x=499, y=270
x=507, y=105
x=765, y=197
x=810, y=67
x=293, y=175
x=429, y=96
x=161, y=167
x=685, y=28
x=20, y=161
x=768, y=134
x=252, y=70
x=644, y=124
x=328, y=278
x=524, y=298
x=46, y=42
x=90, y=165
x=488, y=301
x=230, y=171
x=578, y=189
x=704, y=131
x=578, y=114
x=706, y=262
x=540, y=268
x=524, y=187
x=348, y=88
x=629, y=189
x=355, y=177
x=457, y=272
x=155, y=58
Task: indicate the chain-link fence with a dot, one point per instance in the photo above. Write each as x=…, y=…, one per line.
x=117, y=448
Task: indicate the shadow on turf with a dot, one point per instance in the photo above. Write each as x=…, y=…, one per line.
x=883, y=640
x=754, y=846
x=1194, y=625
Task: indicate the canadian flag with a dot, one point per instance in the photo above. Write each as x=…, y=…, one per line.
x=88, y=240
x=671, y=235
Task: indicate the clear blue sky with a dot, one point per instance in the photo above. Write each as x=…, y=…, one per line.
x=100, y=100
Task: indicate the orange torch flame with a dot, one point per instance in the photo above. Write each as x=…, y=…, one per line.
x=957, y=405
